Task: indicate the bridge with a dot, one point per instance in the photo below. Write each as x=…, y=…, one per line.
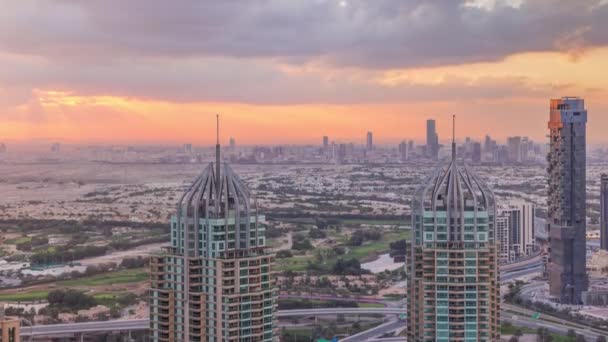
x=144, y=324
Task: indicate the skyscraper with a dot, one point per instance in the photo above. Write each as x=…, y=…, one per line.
x=604, y=212
x=514, y=147
x=432, y=140
x=521, y=234
x=370, y=141
x=566, y=207
x=403, y=151
x=453, y=271
x=325, y=142
x=214, y=282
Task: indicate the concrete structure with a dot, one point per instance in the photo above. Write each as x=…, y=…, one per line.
x=370, y=141
x=214, y=283
x=325, y=142
x=604, y=212
x=9, y=327
x=520, y=239
x=514, y=148
x=403, y=151
x=476, y=152
x=566, y=207
x=453, y=292
x=432, y=139
x=503, y=227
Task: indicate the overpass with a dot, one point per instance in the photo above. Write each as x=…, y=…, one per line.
x=370, y=335
x=144, y=324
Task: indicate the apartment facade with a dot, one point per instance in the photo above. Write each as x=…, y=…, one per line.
x=214, y=283
x=453, y=271
x=566, y=204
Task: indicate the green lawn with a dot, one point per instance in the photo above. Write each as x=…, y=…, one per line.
x=19, y=240
x=295, y=264
x=361, y=253
x=369, y=249
x=120, y=277
x=24, y=296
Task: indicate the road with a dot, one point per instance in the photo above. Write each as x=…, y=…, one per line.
x=521, y=318
x=143, y=324
x=390, y=326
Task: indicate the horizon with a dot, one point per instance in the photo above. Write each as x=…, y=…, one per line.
x=290, y=72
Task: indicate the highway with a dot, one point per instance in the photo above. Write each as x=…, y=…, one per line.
x=521, y=317
x=143, y=324
x=394, y=325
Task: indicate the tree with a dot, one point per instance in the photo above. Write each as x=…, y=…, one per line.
x=580, y=338
x=571, y=334
x=518, y=333
x=514, y=339
x=284, y=254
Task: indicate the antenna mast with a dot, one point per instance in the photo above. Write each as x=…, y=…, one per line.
x=217, y=155
x=453, y=136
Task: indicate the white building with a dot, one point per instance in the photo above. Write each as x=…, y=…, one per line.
x=502, y=236
x=520, y=236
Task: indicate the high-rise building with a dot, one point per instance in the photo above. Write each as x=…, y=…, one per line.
x=503, y=227
x=214, y=282
x=2, y=148
x=403, y=151
x=325, y=142
x=187, y=148
x=514, y=147
x=476, y=152
x=566, y=207
x=370, y=141
x=56, y=147
x=232, y=143
x=453, y=270
x=432, y=140
x=521, y=240
x=604, y=212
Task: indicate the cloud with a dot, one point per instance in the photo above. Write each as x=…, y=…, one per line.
x=365, y=34
x=255, y=82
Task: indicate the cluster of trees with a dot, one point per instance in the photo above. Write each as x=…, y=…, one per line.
x=284, y=254
x=348, y=267
x=35, y=241
x=74, y=227
x=398, y=248
x=130, y=263
x=65, y=254
x=124, y=244
x=71, y=300
x=273, y=232
x=360, y=236
x=316, y=233
x=301, y=243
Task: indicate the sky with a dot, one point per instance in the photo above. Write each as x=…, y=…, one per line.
x=278, y=71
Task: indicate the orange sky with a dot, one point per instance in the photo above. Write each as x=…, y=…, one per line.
x=92, y=118
x=64, y=80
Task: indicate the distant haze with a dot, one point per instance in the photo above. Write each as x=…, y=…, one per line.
x=292, y=71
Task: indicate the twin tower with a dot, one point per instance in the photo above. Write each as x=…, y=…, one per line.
x=214, y=282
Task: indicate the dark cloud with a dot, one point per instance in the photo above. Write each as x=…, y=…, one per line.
x=363, y=33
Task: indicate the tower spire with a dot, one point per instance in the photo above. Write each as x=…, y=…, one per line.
x=217, y=154
x=453, y=137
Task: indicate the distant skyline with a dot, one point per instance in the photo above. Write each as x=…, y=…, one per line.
x=292, y=71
